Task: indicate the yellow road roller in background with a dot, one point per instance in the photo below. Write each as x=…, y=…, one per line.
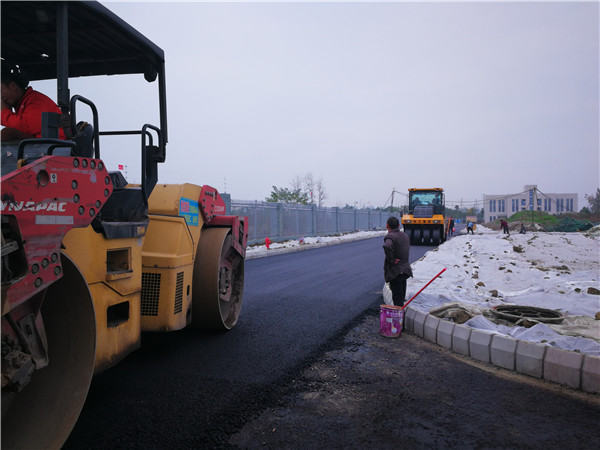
x=425, y=222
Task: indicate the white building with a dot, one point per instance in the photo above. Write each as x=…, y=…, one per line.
x=505, y=205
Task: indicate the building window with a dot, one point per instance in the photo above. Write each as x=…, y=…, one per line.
x=522, y=202
x=560, y=205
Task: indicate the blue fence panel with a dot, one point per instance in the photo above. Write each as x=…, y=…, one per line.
x=283, y=221
x=326, y=221
x=296, y=220
x=346, y=220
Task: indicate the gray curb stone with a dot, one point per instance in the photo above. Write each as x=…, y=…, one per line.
x=409, y=319
x=430, y=328
x=590, y=374
x=563, y=366
x=419, y=322
x=460, y=339
x=530, y=358
x=479, y=345
x=444, y=333
x=573, y=369
x=502, y=351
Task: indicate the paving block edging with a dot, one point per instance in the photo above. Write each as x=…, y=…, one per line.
x=573, y=369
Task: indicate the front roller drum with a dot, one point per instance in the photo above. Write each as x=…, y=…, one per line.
x=218, y=282
x=43, y=414
x=426, y=236
x=437, y=236
x=417, y=235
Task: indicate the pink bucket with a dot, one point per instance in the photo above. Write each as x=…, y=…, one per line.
x=390, y=320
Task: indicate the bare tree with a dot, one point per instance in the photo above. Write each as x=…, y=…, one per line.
x=594, y=201
x=297, y=184
x=309, y=186
x=321, y=194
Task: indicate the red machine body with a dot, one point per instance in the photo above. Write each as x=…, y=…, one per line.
x=212, y=208
x=41, y=202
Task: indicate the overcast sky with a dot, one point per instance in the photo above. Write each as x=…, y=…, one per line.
x=477, y=98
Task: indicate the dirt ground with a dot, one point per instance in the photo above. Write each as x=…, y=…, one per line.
x=368, y=391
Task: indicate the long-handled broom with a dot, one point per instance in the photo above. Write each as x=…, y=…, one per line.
x=430, y=281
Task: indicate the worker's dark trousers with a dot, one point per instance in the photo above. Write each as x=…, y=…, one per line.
x=398, y=287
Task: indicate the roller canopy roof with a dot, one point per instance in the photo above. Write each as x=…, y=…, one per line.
x=100, y=43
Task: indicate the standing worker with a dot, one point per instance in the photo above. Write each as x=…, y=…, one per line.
x=451, y=227
x=396, y=268
x=470, y=227
x=504, y=225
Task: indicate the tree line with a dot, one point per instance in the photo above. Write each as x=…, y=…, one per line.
x=305, y=190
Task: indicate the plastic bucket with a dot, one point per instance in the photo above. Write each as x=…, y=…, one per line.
x=390, y=320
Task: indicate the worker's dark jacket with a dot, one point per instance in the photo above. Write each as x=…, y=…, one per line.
x=396, y=246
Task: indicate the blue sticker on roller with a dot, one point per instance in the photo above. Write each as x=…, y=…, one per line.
x=189, y=210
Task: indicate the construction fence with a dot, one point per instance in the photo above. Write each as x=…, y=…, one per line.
x=284, y=221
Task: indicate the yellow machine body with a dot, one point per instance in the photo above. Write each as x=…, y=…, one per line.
x=411, y=219
x=112, y=269
x=425, y=222
x=168, y=256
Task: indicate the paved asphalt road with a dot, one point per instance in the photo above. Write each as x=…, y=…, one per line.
x=197, y=390
x=188, y=388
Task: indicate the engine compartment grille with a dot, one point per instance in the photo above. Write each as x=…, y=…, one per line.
x=150, y=293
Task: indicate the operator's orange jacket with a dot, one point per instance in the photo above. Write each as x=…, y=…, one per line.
x=28, y=115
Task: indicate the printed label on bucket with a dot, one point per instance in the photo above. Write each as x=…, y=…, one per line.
x=390, y=320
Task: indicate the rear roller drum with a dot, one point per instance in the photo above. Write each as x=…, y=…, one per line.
x=43, y=414
x=218, y=281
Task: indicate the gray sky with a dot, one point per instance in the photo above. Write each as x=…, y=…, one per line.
x=472, y=97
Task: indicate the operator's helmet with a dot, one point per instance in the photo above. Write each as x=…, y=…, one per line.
x=14, y=72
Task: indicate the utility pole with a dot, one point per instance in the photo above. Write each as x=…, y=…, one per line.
x=392, y=204
x=533, y=205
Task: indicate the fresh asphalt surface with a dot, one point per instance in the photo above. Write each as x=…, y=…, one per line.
x=188, y=388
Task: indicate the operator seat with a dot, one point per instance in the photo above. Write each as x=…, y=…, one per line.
x=125, y=214
x=84, y=140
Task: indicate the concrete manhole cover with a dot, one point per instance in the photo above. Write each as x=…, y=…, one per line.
x=521, y=315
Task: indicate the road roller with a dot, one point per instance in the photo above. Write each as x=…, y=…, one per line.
x=89, y=259
x=425, y=222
